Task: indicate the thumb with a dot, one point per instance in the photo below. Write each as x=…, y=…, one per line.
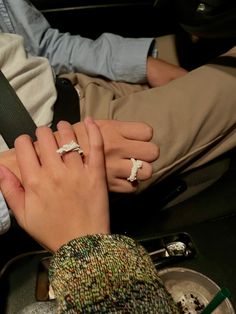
x=12, y=191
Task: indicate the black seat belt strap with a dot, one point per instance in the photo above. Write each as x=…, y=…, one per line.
x=229, y=61
x=14, y=118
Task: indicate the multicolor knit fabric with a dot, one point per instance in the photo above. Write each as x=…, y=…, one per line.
x=107, y=274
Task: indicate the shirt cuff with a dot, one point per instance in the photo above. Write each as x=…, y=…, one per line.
x=153, y=52
x=5, y=221
x=131, y=61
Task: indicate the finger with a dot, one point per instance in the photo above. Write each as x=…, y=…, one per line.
x=124, y=170
x=146, y=151
x=66, y=136
x=135, y=130
x=26, y=156
x=13, y=192
x=122, y=186
x=96, y=148
x=47, y=147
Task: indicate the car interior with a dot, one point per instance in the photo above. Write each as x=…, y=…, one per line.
x=205, y=223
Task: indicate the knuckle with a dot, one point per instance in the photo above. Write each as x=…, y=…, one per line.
x=56, y=177
x=32, y=182
x=148, y=131
x=41, y=129
x=155, y=151
x=22, y=139
x=97, y=146
x=151, y=152
x=149, y=171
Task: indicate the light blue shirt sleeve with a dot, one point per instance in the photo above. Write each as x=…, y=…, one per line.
x=5, y=221
x=110, y=55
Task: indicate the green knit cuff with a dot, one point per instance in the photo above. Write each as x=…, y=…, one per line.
x=99, y=272
x=99, y=249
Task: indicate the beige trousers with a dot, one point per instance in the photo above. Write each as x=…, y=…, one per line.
x=193, y=117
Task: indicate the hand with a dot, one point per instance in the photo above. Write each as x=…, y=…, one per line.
x=122, y=140
x=60, y=198
x=160, y=72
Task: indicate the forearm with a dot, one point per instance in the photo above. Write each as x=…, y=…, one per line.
x=90, y=273
x=109, y=55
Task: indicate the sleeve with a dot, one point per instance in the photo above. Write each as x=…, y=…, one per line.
x=5, y=220
x=107, y=274
x=110, y=55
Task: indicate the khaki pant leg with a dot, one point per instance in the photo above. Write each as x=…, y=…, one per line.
x=167, y=49
x=96, y=91
x=193, y=117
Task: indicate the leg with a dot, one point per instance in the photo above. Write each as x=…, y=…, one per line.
x=193, y=117
x=100, y=90
x=166, y=49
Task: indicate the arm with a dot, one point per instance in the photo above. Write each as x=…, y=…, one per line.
x=125, y=274
x=160, y=72
x=110, y=55
x=55, y=204
x=122, y=140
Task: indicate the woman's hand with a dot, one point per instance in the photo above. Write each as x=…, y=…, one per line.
x=60, y=197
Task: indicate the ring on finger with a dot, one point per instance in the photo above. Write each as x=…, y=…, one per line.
x=136, y=165
x=70, y=147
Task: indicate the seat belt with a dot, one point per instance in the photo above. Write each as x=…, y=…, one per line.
x=14, y=118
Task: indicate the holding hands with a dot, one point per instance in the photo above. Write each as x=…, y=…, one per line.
x=122, y=140
x=62, y=202
x=61, y=197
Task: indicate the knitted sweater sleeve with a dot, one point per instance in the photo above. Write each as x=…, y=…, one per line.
x=107, y=274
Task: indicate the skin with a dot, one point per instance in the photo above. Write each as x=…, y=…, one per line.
x=122, y=140
x=52, y=196
x=55, y=204
x=160, y=72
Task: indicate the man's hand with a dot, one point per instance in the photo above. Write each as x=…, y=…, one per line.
x=160, y=72
x=123, y=140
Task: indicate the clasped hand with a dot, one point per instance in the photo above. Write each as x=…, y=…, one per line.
x=60, y=197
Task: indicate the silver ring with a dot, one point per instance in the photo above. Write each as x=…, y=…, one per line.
x=136, y=165
x=71, y=147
